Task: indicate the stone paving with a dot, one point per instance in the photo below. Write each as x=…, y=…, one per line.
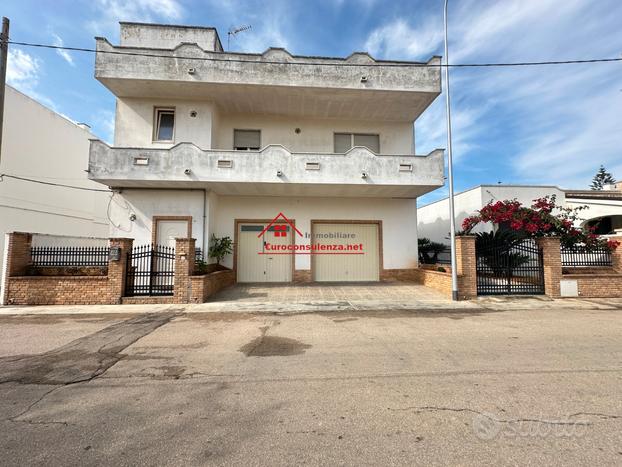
x=393, y=291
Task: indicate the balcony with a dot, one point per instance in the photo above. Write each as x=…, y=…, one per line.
x=274, y=82
x=273, y=171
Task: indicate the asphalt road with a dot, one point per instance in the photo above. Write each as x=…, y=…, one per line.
x=539, y=387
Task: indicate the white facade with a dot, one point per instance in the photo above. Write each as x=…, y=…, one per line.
x=433, y=219
x=197, y=175
x=43, y=145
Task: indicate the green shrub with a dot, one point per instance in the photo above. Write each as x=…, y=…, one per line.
x=220, y=247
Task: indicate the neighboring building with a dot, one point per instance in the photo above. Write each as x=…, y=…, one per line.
x=603, y=207
x=209, y=142
x=40, y=144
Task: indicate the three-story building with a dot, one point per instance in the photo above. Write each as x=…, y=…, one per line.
x=214, y=143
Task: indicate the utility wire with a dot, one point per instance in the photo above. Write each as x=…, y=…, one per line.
x=24, y=179
x=272, y=62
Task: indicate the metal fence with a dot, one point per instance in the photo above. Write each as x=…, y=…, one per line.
x=579, y=256
x=198, y=254
x=444, y=257
x=69, y=256
x=509, y=268
x=151, y=271
x=438, y=257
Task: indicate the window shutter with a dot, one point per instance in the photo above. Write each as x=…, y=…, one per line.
x=246, y=139
x=372, y=142
x=343, y=142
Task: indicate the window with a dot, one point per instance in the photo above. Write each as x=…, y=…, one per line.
x=246, y=140
x=164, y=124
x=346, y=141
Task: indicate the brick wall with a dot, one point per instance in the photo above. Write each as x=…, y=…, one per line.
x=598, y=282
x=205, y=286
x=302, y=275
x=61, y=290
x=596, y=285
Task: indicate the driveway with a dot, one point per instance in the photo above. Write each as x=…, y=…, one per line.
x=349, y=292
x=355, y=387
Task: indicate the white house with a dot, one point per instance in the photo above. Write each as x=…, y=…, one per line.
x=40, y=144
x=219, y=143
x=603, y=207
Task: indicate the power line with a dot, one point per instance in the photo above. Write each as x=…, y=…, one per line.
x=24, y=179
x=272, y=62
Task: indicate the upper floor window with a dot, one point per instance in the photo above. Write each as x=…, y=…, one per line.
x=164, y=124
x=246, y=140
x=346, y=141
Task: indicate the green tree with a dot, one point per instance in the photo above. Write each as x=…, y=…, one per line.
x=601, y=179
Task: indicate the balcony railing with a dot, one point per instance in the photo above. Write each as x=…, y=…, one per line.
x=188, y=164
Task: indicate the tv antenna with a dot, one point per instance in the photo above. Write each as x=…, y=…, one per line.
x=235, y=31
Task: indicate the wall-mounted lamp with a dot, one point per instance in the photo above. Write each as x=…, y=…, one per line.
x=132, y=217
x=279, y=173
x=192, y=71
x=364, y=79
x=364, y=175
x=193, y=113
x=187, y=171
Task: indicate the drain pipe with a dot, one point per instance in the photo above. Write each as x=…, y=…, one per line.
x=204, y=250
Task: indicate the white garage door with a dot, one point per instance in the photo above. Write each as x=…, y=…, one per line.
x=254, y=262
x=339, y=264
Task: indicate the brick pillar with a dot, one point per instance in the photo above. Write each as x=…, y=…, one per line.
x=17, y=258
x=18, y=253
x=552, y=262
x=616, y=255
x=184, y=267
x=465, y=267
x=117, y=270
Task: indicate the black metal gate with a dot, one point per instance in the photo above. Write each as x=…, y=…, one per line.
x=509, y=268
x=150, y=270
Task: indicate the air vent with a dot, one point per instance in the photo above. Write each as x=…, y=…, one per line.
x=406, y=167
x=225, y=164
x=312, y=166
x=141, y=161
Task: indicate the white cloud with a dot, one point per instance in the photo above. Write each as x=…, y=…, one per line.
x=399, y=40
x=552, y=124
x=264, y=34
x=58, y=41
x=105, y=121
x=23, y=73
x=113, y=11
x=22, y=69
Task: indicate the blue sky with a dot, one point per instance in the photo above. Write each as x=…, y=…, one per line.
x=539, y=125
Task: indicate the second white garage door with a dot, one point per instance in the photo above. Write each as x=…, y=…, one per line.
x=343, y=266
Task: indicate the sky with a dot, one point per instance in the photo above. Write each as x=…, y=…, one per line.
x=552, y=125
